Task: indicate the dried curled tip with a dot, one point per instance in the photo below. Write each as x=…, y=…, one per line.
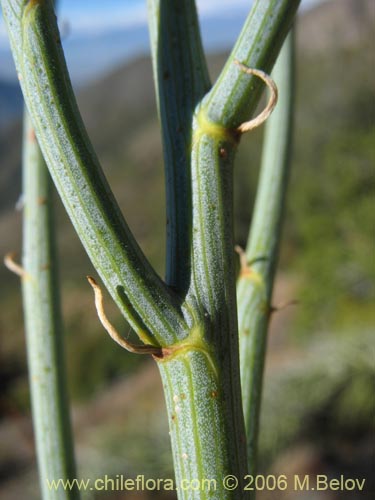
x=136, y=349
x=13, y=266
x=262, y=117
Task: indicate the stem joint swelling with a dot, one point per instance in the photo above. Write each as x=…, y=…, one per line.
x=194, y=341
x=217, y=131
x=111, y=330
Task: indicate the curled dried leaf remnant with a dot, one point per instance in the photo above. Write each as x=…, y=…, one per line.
x=136, y=349
x=12, y=265
x=272, y=101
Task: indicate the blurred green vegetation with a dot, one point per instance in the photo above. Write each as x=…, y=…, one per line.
x=324, y=394
x=330, y=220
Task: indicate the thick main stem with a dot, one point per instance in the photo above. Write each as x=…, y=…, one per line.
x=213, y=273
x=205, y=442
x=43, y=325
x=201, y=385
x=201, y=380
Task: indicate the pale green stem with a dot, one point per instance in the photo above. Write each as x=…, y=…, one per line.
x=149, y=305
x=206, y=423
x=43, y=325
x=201, y=421
x=236, y=94
x=254, y=287
x=214, y=146
x=201, y=381
x=181, y=81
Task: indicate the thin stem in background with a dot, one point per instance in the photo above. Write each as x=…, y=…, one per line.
x=254, y=287
x=43, y=325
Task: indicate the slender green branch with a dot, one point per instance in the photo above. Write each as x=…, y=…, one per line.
x=144, y=299
x=235, y=95
x=43, y=325
x=214, y=146
x=254, y=288
x=181, y=80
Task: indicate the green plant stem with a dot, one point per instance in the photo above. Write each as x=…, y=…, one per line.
x=150, y=306
x=235, y=94
x=254, y=288
x=214, y=146
x=215, y=141
x=43, y=325
x=213, y=280
x=203, y=383
x=200, y=422
x=206, y=428
x=181, y=81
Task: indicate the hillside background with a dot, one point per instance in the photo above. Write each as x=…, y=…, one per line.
x=318, y=402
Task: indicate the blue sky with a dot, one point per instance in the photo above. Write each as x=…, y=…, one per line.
x=113, y=13
x=116, y=31
x=105, y=15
